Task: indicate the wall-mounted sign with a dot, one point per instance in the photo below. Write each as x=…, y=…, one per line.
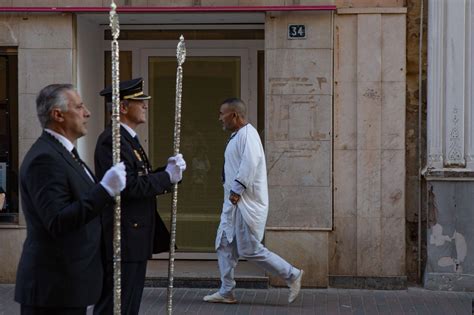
x=296, y=31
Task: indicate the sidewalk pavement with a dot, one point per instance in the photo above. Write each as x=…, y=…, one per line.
x=310, y=301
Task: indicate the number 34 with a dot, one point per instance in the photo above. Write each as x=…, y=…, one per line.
x=296, y=31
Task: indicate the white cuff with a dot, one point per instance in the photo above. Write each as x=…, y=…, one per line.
x=107, y=188
x=237, y=187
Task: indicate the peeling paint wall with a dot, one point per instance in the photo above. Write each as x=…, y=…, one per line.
x=450, y=264
x=449, y=170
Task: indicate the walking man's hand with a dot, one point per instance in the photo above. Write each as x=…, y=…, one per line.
x=234, y=198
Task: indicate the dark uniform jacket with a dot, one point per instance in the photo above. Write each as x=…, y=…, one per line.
x=60, y=265
x=143, y=231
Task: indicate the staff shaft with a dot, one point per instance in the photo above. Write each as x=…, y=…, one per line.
x=180, y=55
x=115, y=53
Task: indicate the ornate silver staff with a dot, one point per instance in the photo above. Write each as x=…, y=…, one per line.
x=114, y=25
x=180, y=56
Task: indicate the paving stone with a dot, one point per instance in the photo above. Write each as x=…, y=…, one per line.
x=274, y=301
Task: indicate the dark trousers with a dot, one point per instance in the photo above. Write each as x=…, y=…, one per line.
x=133, y=281
x=35, y=310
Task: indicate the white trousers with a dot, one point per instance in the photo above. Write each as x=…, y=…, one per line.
x=247, y=246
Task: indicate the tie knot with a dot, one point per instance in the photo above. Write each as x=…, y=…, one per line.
x=75, y=153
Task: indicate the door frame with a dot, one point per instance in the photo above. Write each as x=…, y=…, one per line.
x=250, y=96
x=248, y=48
x=248, y=53
x=245, y=85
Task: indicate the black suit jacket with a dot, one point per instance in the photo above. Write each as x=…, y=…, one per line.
x=143, y=231
x=60, y=265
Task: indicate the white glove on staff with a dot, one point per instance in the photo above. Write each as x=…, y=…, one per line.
x=114, y=179
x=175, y=167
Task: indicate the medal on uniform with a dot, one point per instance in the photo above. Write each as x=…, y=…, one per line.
x=137, y=155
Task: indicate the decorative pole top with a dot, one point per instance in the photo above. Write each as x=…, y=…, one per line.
x=114, y=21
x=181, y=51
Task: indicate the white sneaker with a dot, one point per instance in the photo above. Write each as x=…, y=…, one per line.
x=295, y=287
x=218, y=298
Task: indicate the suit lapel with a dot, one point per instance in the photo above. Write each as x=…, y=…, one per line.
x=67, y=156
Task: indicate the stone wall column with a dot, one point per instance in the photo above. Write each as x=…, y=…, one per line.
x=435, y=91
x=45, y=55
x=368, y=240
x=450, y=167
x=450, y=53
x=298, y=140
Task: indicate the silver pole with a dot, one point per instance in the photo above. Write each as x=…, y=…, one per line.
x=114, y=25
x=180, y=56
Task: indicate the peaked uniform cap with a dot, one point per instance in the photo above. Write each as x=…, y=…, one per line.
x=129, y=90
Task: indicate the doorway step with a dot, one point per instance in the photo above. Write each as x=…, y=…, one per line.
x=203, y=274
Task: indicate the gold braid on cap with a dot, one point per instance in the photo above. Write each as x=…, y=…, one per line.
x=133, y=95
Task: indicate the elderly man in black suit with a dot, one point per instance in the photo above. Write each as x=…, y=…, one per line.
x=143, y=231
x=60, y=266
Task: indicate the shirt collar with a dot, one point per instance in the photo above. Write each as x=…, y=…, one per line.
x=62, y=139
x=130, y=130
x=235, y=132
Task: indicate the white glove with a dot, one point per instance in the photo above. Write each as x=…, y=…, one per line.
x=175, y=167
x=114, y=179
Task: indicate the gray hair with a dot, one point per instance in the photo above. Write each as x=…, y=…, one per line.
x=52, y=96
x=237, y=105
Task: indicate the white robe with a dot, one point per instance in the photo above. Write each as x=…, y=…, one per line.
x=245, y=162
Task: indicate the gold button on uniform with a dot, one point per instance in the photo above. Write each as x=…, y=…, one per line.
x=135, y=225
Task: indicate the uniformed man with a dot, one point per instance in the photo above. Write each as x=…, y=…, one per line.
x=143, y=231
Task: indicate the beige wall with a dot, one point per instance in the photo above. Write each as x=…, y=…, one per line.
x=45, y=55
x=98, y=3
x=352, y=151
x=369, y=144
x=369, y=3
x=298, y=140
x=10, y=250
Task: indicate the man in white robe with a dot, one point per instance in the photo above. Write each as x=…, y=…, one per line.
x=245, y=207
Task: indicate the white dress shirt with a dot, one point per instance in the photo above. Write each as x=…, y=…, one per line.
x=66, y=144
x=130, y=130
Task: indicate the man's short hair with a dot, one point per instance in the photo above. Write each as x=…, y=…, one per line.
x=52, y=96
x=109, y=106
x=237, y=105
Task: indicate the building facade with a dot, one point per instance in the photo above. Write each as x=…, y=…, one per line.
x=450, y=151
x=326, y=85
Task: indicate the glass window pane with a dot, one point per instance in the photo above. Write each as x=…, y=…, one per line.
x=8, y=136
x=207, y=81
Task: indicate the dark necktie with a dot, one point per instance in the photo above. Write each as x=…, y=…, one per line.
x=142, y=153
x=76, y=156
x=78, y=159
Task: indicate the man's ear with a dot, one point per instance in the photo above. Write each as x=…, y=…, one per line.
x=57, y=115
x=123, y=108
